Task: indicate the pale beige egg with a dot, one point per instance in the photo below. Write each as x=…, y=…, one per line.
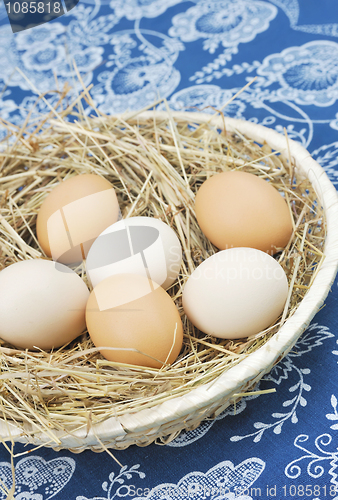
x=73, y=215
x=42, y=304
x=235, y=293
x=135, y=317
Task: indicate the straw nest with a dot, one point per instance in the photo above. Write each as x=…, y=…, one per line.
x=156, y=165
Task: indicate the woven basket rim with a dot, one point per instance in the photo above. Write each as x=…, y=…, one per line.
x=255, y=364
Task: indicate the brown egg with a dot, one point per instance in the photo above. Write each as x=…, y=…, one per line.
x=238, y=209
x=129, y=311
x=73, y=215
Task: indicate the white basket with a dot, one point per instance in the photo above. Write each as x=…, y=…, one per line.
x=188, y=411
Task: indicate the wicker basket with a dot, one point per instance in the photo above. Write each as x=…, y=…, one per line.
x=209, y=400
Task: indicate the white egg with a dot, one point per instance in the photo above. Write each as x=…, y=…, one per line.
x=42, y=304
x=137, y=245
x=235, y=293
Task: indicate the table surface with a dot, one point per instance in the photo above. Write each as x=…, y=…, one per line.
x=197, y=54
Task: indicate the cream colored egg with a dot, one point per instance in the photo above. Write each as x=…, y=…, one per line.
x=42, y=304
x=73, y=214
x=135, y=318
x=137, y=245
x=235, y=293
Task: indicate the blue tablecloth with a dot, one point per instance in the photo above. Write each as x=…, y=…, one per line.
x=198, y=54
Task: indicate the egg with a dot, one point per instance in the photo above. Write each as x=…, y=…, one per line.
x=73, y=214
x=238, y=209
x=137, y=245
x=42, y=304
x=137, y=318
x=235, y=293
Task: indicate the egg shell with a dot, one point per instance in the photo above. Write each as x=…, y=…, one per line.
x=129, y=311
x=73, y=214
x=235, y=293
x=137, y=245
x=42, y=304
x=239, y=209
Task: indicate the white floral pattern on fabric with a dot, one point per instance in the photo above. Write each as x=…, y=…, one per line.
x=224, y=481
x=312, y=337
x=40, y=62
x=327, y=157
x=43, y=57
x=135, y=9
x=7, y=108
x=143, y=71
x=8, y=57
x=91, y=32
x=292, y=10
x=306, y=74
x=315, y=458
x=117, y=485
x=35, y=478
x=85, y=59
x=227, y=22
x=33, y=38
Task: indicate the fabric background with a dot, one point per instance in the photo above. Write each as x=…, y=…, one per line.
x=198, y=54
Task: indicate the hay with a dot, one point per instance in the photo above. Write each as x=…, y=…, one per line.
x=156, y=166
